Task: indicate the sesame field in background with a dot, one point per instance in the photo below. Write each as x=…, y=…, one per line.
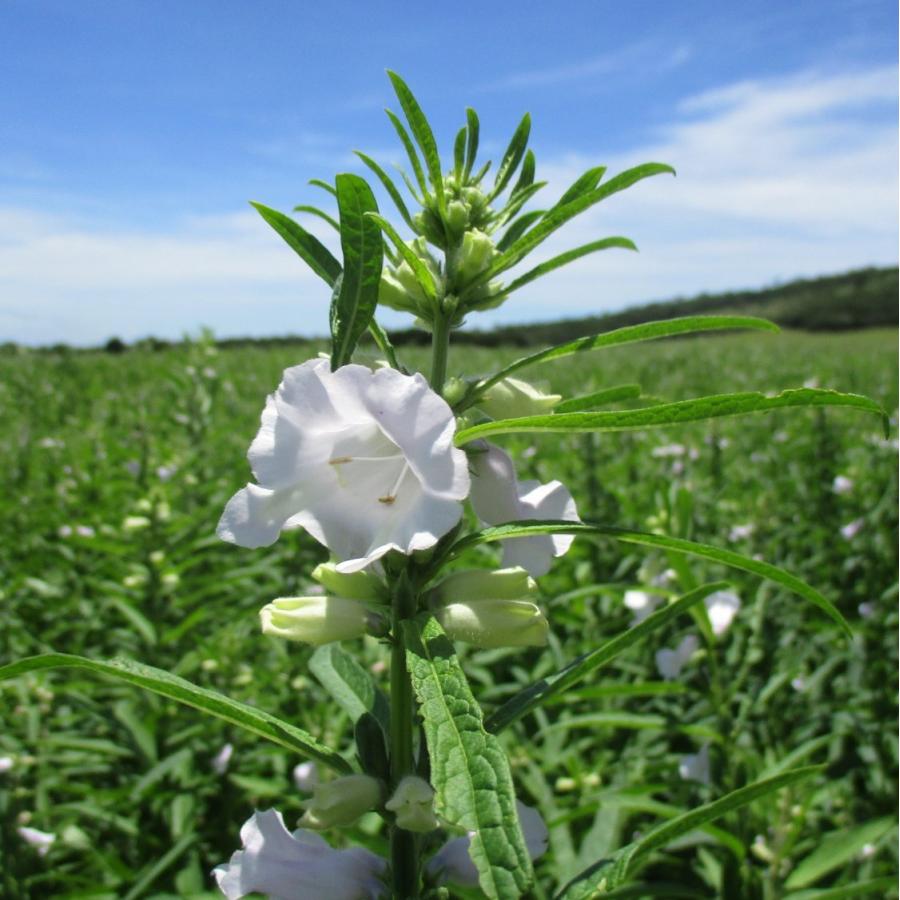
x=117, y=467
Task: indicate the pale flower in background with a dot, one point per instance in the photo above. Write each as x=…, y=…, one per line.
x=306, y=777
x=221, y=760
x=695, y=766
x=842, y=484
x=452, y=862
x=641, y=604
x=852, y=529
x=722, y=607
x=669, y=663
x=282, y=865
x=40, y=840
x=6, y=763
x=866, y=610
x=363, y=460
x=499, y=497
x=741, y=532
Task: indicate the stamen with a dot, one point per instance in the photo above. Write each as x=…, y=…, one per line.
x=338, y=460
x=391, y=495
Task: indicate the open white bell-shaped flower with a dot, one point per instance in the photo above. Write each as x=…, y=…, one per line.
x=499, y=497
x=287, y=866
x=669, y=663
x=363, y=460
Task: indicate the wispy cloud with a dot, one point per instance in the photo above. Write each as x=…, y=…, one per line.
x=638, y=55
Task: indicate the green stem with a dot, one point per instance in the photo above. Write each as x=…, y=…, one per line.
x=440, y=345
x=404, y=852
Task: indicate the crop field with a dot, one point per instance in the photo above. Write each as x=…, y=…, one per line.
x=116, y=469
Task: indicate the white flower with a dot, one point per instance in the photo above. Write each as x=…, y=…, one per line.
x=852, y=529
x=6, y=763
x=306, y=777
x=413, y=804
x=319, y=619
x=85, y=531
x=668, y=450
x=866, y=610
x=722, y=607
x=286, y=866
x=342, y=801
x=842, y=484
x=641, y=604
x=695, y=766
x=221, y=759
x=741, y=532
x=498, y=497
x=452, y=862
x=671, y=662
x=363, y=460
x=40, y=840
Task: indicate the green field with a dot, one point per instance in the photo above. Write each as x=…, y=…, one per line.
x=117, y=468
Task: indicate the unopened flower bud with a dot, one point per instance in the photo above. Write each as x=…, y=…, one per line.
x=319, y=620
x=353, y=586
x=413, y=804
x=512, y=398
x=490, y=609
x=457, y=217
x=476, y=254
x=341, y=802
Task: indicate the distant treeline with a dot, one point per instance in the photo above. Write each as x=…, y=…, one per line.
x=863, y=298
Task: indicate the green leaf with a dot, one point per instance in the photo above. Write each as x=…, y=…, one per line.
x=663, y=542
x=612, y=872
x=885, y=887
x=315, y=211
x=513, y=156
x=582, y=185
x=422, y=132
x=599, y=398
x=389, y=186
x=518, y=228
x=349, y=684
x=459, y=153
x=835, y=849
x=420, y=270
x=569, y=256
x=354, y=301
x=411, y=154
x=517, y=200
x=526, y=176
x=469, y=770
x=647, y=331
x=472, y=127
x=662, y=414
x=310, y=249
x=174, y=688
x=540, y=691
x=559, y=215
x=317, y=182
x=384, y=345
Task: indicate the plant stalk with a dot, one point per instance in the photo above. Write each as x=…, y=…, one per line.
x=440, y=345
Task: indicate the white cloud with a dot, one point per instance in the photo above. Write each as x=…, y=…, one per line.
x=776, y=179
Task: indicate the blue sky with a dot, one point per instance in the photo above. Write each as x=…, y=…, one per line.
x=133, y=133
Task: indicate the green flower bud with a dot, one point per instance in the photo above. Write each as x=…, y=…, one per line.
x=512, y=398
x=476, y=254
x=319, y=620
x=353, y=586
x=413, y=804
x=457, y=217
x=341, y=802
x=490, y=609
x=400, y=289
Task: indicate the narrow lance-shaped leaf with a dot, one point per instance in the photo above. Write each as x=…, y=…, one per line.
x=389, y=186
x=608, y=874
x=559, y=215
x=459, y=153
x=421, y=131
x=178, y=689
x=472, y=127
x=310, y=249
x=539, y=692
x=469, y=770
x=411, y=153
x=526, y=176
x=315, y=211
x=599, y=398
x=354, y=301
x=661, y=541
x=476, y=178
x=664, y=414
x=513, y=156
x=317, y=182
x=563, y=259
x=517, y=200
x=383, y=342
x=423, y=276
x=582, y=185
x=630, y=334
x=518, y=228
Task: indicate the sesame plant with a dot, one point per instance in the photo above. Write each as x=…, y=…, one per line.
x=435, y=544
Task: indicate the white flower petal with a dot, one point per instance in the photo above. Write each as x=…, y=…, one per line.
x=695, y=766
x=722, y=607
x=285, y=866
